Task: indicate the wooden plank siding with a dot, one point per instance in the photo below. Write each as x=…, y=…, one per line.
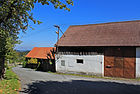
x=80, y=50
x=120, y=62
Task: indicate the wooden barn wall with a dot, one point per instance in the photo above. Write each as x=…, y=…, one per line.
x=81, y=50
x=120, y=62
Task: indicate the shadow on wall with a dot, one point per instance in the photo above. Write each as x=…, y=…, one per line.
x=81, y=87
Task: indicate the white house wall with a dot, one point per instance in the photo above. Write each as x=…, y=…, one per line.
x=138, y=62
x=91, y=63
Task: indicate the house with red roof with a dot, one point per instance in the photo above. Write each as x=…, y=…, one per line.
x=107, y=49
x=44, y=55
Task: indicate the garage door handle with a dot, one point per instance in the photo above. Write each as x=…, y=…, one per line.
x=108, y=66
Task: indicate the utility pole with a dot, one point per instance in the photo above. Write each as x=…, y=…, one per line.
x=57, y=32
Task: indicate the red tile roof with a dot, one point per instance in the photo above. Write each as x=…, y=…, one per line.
x=107, y=34
x=40, y=52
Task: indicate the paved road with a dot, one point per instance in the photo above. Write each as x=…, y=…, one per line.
x=35, y=82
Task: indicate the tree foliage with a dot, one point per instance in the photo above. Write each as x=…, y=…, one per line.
x=14, y=17
x=11, y=53
x=15, y=14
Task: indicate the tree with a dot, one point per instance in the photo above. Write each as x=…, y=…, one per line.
x=11, y=54
x=7, y=52
x=15, y=15
x=51, y=54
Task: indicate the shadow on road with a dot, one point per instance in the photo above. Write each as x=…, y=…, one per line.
x=81, y=87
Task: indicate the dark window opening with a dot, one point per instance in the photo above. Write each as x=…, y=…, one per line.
x=80, y=61
x=62, y=62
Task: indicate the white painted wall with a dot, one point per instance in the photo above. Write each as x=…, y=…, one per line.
x=92, y=63
x=138, y=62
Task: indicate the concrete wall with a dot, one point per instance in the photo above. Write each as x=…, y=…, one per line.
x=138, y=62
x=93, y=64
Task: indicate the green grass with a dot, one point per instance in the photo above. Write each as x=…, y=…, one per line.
x=94, y=76
x=11, y=84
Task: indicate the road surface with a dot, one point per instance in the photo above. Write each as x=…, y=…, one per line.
x=36, y=82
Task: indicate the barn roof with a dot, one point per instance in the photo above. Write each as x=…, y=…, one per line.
x=40, y=52
x=107, y=34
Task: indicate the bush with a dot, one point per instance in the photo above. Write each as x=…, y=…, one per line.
x=6, y=66
x=24, y=64
x=32, y=61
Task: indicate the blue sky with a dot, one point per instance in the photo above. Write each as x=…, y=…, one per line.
x=83, y=12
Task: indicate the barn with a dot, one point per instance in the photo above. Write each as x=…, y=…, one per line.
x=44, y=55
x=107, y=49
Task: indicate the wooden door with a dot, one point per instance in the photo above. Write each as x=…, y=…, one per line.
x=108, y=63
x=119, y=62
x=118, y=67
x=130, y=63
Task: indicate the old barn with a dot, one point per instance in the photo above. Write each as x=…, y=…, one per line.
x=44, y=55
x=107, y=49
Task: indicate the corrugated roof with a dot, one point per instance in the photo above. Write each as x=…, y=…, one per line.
x=40, y=52
x=107, y=34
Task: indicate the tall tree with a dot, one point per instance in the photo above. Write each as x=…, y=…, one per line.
x=15, y=16
x=11, y=54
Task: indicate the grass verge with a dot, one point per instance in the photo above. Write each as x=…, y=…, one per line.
x=94, y=76
x=11, y=84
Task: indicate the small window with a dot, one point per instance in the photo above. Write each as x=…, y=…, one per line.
x=80, y=61
x=62, y=62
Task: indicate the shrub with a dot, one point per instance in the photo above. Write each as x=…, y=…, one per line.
x=32, y=61
x=24, y=64
x=6, y=66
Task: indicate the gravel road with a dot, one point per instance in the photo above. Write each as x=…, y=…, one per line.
x=36, y=82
